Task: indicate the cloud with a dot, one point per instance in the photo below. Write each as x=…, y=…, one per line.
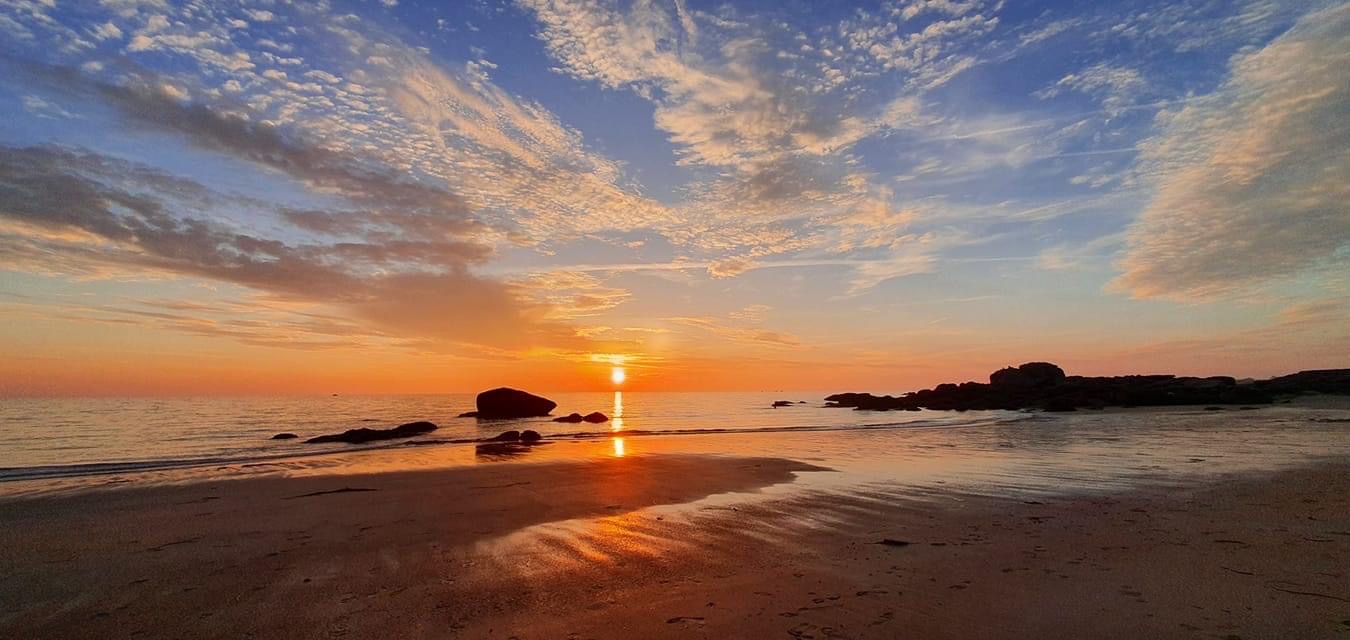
x=1117, y=86
x=773, y=115
x=77, y=213
x=1251, y=181
x=147, y=100
x=572, y=294
x=746, y=335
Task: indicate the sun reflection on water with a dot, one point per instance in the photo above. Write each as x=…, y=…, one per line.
x=616, y=416
x=618, y=447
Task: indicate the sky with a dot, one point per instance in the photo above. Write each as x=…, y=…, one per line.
x=391, y=196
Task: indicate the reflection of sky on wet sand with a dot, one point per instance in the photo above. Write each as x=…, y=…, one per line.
x=1049, y=456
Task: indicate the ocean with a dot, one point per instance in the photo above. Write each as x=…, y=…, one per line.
x=72, y=443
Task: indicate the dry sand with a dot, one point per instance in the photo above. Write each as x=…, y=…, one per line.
x=579, y=550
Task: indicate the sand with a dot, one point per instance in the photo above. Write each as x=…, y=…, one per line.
x=585, y=550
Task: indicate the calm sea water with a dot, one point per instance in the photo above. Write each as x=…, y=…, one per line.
x=54, y=444
x=43, y=436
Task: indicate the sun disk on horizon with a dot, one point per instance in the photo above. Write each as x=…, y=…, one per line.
x=617, y=375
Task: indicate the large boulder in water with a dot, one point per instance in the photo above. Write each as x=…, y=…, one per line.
x=595, y=417
x=571, y=417
x=358, y=436
x=505, y=402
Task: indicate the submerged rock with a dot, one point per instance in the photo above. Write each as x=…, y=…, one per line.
x=595, y=417
x=285, y=436
x=505, y=436
x=358, y=436
x=504, y=403
x=501, y=449
x=530, y=436
x=571, y=417
x=782, y=403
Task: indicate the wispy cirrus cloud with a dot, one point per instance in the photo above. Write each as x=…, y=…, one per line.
x=1250, y=182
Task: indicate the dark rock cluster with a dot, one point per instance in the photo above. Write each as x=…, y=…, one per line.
x=1041, y=385
x=594, y=417
x=358, y=436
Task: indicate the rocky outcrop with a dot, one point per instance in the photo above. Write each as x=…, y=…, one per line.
x=1032, y=375
x=571, y=417
x=359, y=436
x=1041, y=385
x=595, y=417
x=1332, y=381
x=506, y=403
x=530, y=436
x=285, y=436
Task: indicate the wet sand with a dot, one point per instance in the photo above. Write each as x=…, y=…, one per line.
x=585, y=550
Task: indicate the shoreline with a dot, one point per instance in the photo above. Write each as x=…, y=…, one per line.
x=25, y=480
x=671, y=545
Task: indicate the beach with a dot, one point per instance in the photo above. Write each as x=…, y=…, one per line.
x=678, y=545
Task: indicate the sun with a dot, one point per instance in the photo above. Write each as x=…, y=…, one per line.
x=617, y=375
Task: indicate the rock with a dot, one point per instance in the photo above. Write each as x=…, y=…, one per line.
x=358, y=436
x=1335, y=381
x=505, y=403
x=892, y=542
x=285, y=436
x=1060, y=405
x=469, y=414
x=595, y=417
x=530, y=436
x=1031, y=374
x=501, y=449
x=782, y=403
x=1042, y=385
x=571, y=417
x=505, y=436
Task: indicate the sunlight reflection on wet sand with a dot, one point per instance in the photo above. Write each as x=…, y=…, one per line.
x=1087, y=454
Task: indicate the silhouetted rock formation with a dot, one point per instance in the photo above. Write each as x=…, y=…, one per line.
x=782, y=403
x=358, y=436
x=1041, y=385
x=1334, y=381
x=1031, y=375
x=595, y=417
x=571, y=417
x=285, y=436
x=504, y=403
x=508, y=443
